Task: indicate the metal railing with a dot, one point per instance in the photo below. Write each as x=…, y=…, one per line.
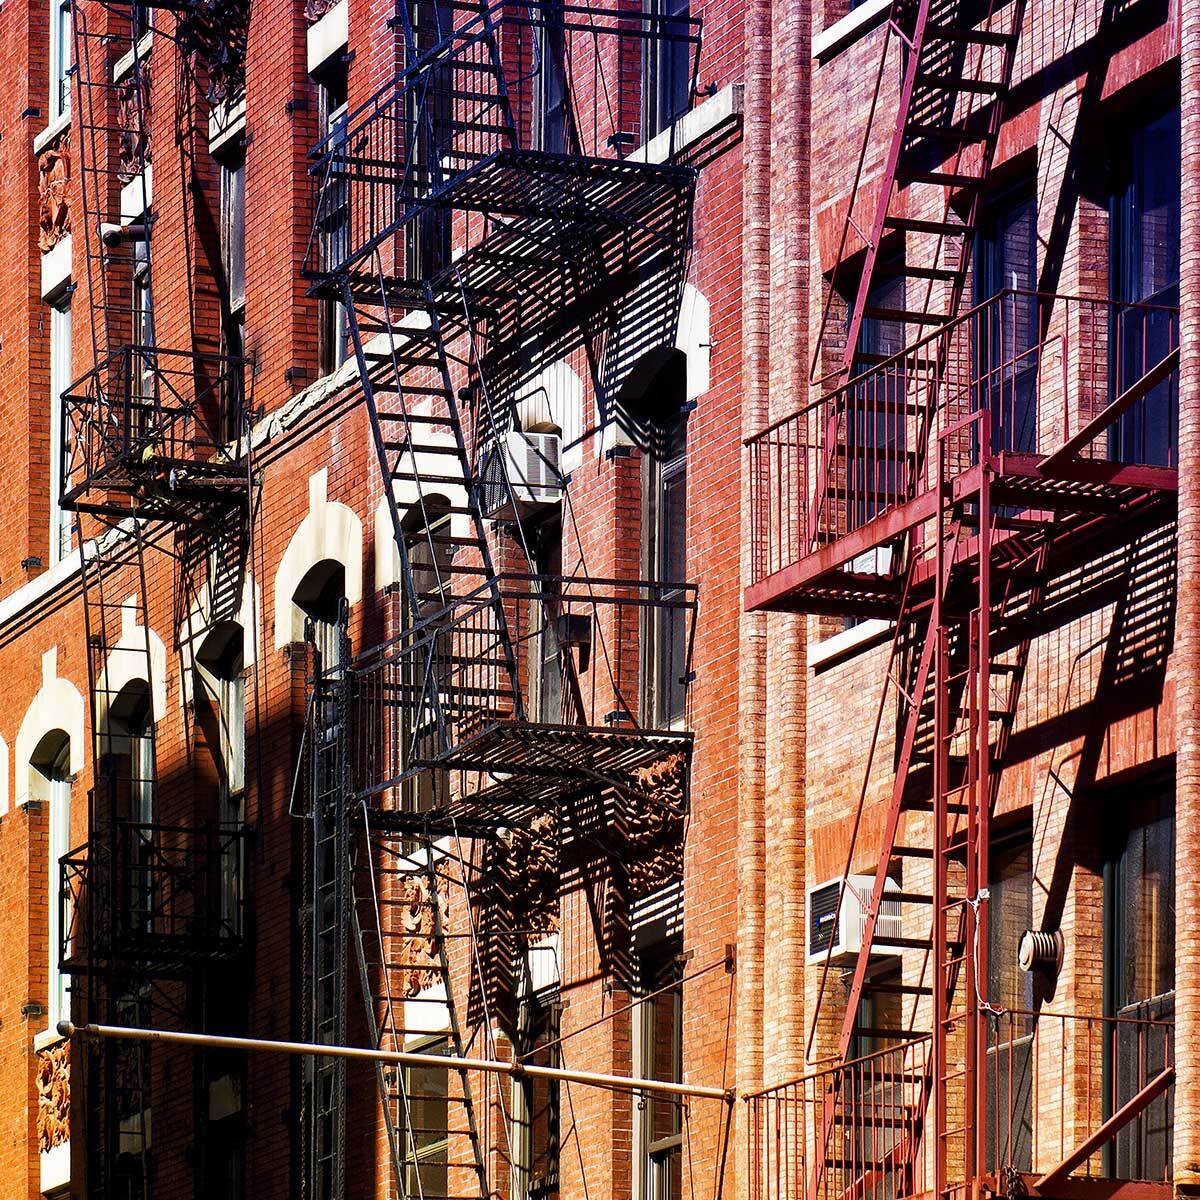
x=144, y=410
x=152, y=897
x=570, y=654
x=1031, y=370
x=849, y=1132
x=1048, y=1084
x=500, y=85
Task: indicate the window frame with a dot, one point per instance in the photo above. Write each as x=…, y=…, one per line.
x=61, y=359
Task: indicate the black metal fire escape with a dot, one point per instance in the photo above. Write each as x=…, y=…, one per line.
x=153, y=444
x=506, y=132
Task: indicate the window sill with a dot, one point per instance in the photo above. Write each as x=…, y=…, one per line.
x=124, y=64
x=47, y=1040
x=847, y=644
x=676, y=141
x=53, y=130
x=853, y=26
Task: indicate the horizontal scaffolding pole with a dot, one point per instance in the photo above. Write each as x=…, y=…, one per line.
x=493, y=1066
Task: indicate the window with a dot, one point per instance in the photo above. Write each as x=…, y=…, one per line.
x=60, y=58
x=1139, y=970
x=1144, y=270
x=546, y=668
x=666, y=536
x=334, y=218
x=1007, y=337
x=232, y=166
x=551, y=94
x=876, y=425
x=427, y=247
x=220, y=691
x=145, y=395
x=60, y=381
x=666, y=66
x=427, y=1141
x=535, y=1111
x=658, y=1054
x=1009, y=1052
x=50, y=770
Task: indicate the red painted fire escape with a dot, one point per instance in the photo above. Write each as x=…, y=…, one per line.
x=949, y=489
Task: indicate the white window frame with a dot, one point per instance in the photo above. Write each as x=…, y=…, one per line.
x=61, y=58
x=60, y=381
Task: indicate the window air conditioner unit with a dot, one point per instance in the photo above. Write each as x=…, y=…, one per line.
x=841, y=926
x=519, y=473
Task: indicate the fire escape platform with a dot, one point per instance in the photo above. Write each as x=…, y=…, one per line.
x=825, y=581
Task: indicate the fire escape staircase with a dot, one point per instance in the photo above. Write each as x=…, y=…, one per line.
x=556, y=245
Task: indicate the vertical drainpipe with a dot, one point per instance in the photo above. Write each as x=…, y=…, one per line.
x=756, y=338
x=787, y=659
x=1186, y=1148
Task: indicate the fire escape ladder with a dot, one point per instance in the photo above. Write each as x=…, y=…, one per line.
x=422, y=453
x=957, y=71
x=405, y=974
x=112, y=157
x=120, y=850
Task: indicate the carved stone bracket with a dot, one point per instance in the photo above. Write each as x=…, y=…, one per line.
x=133, y=108
x=54, y=1096
x=314, y=10
x=525, y=870
x=652, y=821
x=422, y=968
x=54, y=177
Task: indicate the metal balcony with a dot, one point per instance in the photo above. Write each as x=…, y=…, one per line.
x=1070, y=403
x=152, y=900
x=541, y=698
x=154, y=431
x=525, y=113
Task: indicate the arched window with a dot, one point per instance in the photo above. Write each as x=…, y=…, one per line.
x=220, y=694
x=50, y=783
x=129, y=743
x=319, y=596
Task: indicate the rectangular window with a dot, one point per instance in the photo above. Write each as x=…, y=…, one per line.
x=431, y=140
x=536, y=1101
x=233, y=227
x=1139, y=973
x=427, y=1141
x=1144, y=270
x=333, y=219
x=60, y=58
x=666, y=526
x=1010, y=1044
x=658, y=1054
x=551, y=93
x=60, y=381
x=666, y=66
x=1007, y=335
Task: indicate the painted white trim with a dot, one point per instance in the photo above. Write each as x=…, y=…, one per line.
x=832, y=650
x=856, y=24
x=56, y=268
x=126, y=663
x=554, y=396
x=57, y=705
x=692, y=128
x=328, y=35
x=135, y=201
x=124, y=64
x=199, y=622
x=330, y=532
x=55, y=1168
x=46, y=136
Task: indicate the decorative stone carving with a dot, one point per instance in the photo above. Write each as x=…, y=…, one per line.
x=212, y=33
x=54, y=1096
x=419, y=954
x=653, y=823
x=133, y=111
x=314, y=10
x=54, y=177
x=525, y=871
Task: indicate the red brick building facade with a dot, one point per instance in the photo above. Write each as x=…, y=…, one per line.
x=404, y=650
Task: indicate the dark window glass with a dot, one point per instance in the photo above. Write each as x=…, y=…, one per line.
x=666, y=525
x=1144, y=269
x=661, y=1057
x=551, y=93
x=1007, y=334
x=667, y=66
x=431, y=141
x=537, y=1115
x=333, y=220
x=1140, y=974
